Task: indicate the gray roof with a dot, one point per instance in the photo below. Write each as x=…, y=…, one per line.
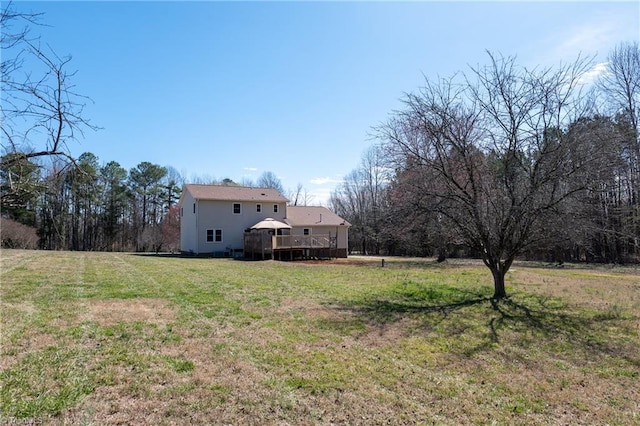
x=234, y=193
x=313, y=216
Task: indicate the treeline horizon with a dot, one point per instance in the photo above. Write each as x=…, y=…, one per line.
x=503, y=162
x=83, y=205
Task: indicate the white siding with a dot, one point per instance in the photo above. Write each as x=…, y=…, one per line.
x=188, y=224
x=220, y=215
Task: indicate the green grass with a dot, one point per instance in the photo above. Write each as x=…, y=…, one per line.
x=106, y=338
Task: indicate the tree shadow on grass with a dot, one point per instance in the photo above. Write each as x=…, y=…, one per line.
x=380, y=311
x=609, y=332
x=477, y=323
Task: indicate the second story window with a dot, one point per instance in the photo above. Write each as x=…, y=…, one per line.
x=275, y=208
x=237, y=208
x=258, y=208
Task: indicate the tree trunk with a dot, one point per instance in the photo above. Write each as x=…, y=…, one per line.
x=500, y=291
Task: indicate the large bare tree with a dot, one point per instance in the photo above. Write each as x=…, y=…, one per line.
x=488, y=155
x=269, y=180
x=299, y=196
x=40, y=111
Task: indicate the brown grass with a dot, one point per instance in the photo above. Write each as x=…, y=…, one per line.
x=110, y=312
x=598, y=288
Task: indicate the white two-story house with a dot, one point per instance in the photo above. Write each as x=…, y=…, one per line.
x=214, y=219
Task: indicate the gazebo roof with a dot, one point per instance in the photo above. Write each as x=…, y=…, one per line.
x=270, y=223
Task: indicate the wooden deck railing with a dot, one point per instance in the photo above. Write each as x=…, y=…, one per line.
x=260, y=245
x=303, y=241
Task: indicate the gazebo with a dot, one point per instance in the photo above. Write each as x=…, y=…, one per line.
x=258, y=241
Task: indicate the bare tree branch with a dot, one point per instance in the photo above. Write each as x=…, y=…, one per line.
x=39, y=106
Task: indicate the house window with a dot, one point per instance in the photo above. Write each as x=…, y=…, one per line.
x=194, y=208
x=214, y=235
x=258, y=208
x=181, y=211
x=275, y=208
x=306, y=231
x=237, y=208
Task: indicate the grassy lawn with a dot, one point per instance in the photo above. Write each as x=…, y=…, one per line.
x=113, y=338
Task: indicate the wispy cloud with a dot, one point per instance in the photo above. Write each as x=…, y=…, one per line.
x=590, y=76
x=320, y=196
x=325, y=180
x=591, y=38
x=323, y=187
x=250, y=169
x=587, y=39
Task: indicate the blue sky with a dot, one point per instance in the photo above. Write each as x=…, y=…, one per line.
x=233, y=89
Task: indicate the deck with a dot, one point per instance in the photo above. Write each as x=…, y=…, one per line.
x=258, y=245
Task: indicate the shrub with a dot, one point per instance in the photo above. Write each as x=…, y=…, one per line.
x=16, y=235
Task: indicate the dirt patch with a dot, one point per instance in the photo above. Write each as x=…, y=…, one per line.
x=382, y=336
x=109, y=312
x=309, y=308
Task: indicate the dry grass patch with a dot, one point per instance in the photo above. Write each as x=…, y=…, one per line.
x=379, y=337
x=30, y=343
x=109, y=312
x=302, y=307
